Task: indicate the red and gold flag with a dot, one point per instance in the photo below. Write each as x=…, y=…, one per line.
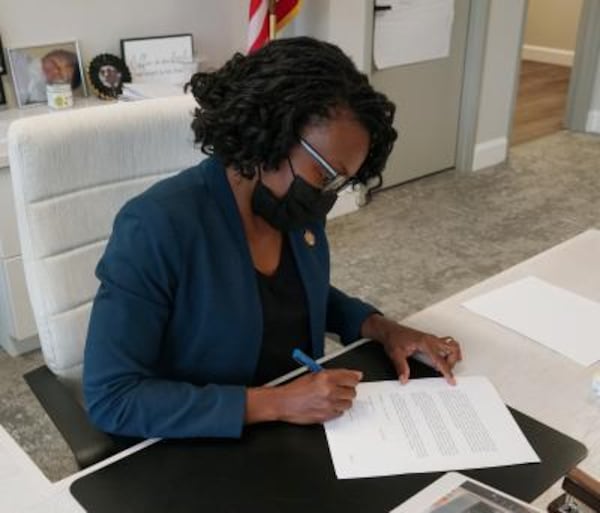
x=263, y=12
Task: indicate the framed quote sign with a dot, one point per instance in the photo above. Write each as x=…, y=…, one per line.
x=159, y=59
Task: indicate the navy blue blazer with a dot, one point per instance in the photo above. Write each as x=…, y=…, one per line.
x=176, y=327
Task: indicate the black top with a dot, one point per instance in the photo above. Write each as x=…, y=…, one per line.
x=285, y=318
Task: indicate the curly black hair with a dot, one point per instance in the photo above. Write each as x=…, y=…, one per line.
x=253, y=109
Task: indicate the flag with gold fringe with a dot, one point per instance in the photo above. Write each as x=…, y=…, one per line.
x=266, y=18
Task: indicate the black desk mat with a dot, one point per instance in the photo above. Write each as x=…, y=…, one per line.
x=283, y=468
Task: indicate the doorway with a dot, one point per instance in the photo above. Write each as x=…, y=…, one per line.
x=548, y=54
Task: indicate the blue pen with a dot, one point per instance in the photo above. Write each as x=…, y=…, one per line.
x=303, y=359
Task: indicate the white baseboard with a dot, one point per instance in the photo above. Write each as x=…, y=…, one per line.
x=548, y=55
x=490, y=153
x=348, y=201
x=593, y=122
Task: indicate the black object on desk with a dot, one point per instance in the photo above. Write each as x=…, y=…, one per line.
x=284, y=468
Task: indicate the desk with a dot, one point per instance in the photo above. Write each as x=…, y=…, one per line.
x=280, y=467
x=530, y=377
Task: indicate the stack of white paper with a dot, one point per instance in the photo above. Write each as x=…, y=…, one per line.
x=557, y=318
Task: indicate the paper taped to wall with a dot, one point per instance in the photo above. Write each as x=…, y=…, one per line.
x=411, y=31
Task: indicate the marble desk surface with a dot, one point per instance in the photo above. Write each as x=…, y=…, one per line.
x=530, y=377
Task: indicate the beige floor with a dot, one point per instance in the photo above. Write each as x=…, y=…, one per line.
x=412, y=246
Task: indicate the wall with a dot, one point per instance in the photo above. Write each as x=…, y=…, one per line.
x=498, y=81
x=552, y=23
x=551, y=31
x=349, y=22
x=313, y=20
x=343, y=22
x=218, y=26
x=348, y=25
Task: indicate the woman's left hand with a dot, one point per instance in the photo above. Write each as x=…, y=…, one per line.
x=400, y=342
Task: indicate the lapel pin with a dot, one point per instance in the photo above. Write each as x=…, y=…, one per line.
x=309, y=238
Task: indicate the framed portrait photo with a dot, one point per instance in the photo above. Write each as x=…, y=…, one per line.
x=163, y=59
x=34, y=67
x=107, y=75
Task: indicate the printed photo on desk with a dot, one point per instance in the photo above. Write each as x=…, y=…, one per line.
x=457, y=493
x=166, y=59
x=34, y=67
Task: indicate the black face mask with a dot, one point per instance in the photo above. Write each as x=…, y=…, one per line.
x=301, y=204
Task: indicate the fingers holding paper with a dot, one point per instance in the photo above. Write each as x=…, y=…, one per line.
x=442, y=353
x=400, y=342
x=449, y=350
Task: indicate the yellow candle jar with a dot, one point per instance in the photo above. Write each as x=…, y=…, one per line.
x=60, y=95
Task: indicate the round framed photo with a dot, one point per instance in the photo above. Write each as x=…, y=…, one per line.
x=107, y=74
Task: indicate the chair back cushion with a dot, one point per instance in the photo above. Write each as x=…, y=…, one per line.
x=71, y=173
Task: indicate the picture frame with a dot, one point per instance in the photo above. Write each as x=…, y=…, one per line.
x=164, y=59
x=2, y=61
x=107, y=74
x=33, y=67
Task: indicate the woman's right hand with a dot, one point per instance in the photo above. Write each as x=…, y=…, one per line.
x=309, y=399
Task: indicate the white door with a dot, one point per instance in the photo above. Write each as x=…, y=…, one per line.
x=427, y=97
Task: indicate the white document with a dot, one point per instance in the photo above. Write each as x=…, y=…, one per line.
x=412, y=31
x=557, y=318
x=425, y=426
x=456, y=493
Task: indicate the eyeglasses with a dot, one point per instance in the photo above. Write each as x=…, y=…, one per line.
x=334, y=180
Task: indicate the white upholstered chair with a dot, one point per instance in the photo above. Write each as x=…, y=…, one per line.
x=71, y=173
